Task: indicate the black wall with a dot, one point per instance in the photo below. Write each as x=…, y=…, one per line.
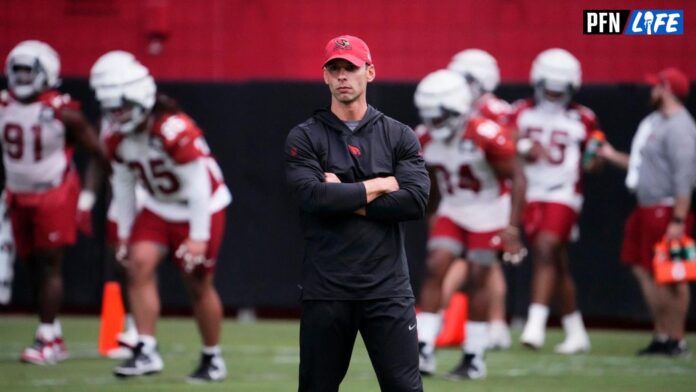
x=246, y=125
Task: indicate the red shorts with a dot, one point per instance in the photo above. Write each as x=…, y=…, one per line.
x=550, y=217
x=447, y=234
x=643, y=229
x=45, y=220
x=149, y=226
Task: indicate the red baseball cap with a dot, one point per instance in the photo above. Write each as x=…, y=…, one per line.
x=674, y=78
x=349, y=48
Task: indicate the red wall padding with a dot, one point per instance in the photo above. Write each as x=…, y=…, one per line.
x=266, y=39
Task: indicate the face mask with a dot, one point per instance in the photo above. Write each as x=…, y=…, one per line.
x=26, y=81
x=126, y=118
x=552, y=99
x=443, y=128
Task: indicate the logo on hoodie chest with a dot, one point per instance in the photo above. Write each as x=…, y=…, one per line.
x=355, y=151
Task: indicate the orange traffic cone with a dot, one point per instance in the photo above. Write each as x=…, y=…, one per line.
x=113, y=315
x=452, y=332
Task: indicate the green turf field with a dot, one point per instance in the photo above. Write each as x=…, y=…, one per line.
x=264, y=357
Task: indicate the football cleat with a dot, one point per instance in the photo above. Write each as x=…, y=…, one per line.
x=39, y=353
x=471, y=367
x=211, y=368
x=532, y=337
x=678, y=348
x=140, y=363
x=655, y=347
x=60, y=350
x=426, y=359
x=574, y=344
x=126, y=343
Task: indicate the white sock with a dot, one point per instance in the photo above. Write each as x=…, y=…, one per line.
x=476, y=337
x=498, y=325
x=572, y=324
x=661, y=337
x=57, y=328
x=149, y=343
x=537, y=316
x=130, y=324
x=212, y=350
x=428, y=327
x=45, y=331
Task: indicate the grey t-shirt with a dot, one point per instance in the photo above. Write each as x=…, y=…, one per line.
x=352, y=125
x=668, y=165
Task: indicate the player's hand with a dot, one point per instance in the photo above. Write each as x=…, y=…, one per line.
x=84, y=222
x=675, y=231
x=331, y=178
x=513, y=249
x=192, y=252
x=122, y=253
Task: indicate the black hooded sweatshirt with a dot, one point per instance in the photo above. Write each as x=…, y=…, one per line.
x=348, y=256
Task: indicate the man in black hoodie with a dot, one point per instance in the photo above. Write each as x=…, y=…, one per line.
x=356, y=174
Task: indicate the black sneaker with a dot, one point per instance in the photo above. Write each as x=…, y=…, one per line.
x=678, y=348
x=656, y=347
x=471, y=367
x=211, y=368
x=141, y=363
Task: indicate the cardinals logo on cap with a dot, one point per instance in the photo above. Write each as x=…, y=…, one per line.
x=343, y=43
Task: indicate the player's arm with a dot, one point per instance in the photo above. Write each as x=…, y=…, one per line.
x=409, y=202
x=124, y=181
x=81, y=132
x=308, y=183
x=501, y=154
x=197, y=188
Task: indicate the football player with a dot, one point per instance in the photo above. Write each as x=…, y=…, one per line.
x=155, y=144
x=40, y=129
x=552, y=134
x=469, y=159
x=128, y=338
x=480, y=70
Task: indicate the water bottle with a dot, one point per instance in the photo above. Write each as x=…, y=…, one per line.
x=675, y=251
x=689, y=249
x=596, y=140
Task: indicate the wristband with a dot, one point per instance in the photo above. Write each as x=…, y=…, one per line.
x=86, y=200
x=677, y=220
x=524, y=145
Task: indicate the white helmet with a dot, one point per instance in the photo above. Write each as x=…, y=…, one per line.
x=107, y=62
x=557, y=70
x=125, y=85
x=43, y=64
x=478, y=65
x=443, y=100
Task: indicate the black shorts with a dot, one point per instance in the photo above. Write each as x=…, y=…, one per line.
x=388, y=328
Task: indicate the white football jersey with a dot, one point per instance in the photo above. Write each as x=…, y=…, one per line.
x=472, y=195
x=35, y=153
x=563, y=133
x=154, y=158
